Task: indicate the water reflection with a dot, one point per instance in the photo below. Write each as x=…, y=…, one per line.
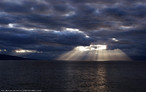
x=102, y=81
x=87, y=77
x=73, y=76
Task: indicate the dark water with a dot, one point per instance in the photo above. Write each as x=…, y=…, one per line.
x=73, y=76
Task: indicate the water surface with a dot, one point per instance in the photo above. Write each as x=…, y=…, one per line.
x=73, y=76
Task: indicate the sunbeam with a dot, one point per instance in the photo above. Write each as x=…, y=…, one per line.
x=94, y=53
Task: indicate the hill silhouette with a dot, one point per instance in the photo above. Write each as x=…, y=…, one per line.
x=9, y=57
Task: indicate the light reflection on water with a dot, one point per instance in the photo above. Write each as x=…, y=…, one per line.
x=85, y=78
x=102, y=81
x=73, y=76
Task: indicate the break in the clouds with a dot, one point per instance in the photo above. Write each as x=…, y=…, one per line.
x=46, y=29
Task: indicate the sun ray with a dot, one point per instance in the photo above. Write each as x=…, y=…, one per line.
x=94, y=53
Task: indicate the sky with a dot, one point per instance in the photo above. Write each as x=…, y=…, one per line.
x=74, y=29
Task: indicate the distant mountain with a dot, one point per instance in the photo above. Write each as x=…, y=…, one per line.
x=9, y=57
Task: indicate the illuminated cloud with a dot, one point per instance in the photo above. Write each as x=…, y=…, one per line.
x=94, y=53
x=91, y=47
x=25, y=51
x=3, y=50
x=126, y=27
x=69, y=14
x=114, y=39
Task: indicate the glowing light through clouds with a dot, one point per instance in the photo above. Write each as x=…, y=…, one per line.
x=25, y=51
x=94, y=53
x=91, y=47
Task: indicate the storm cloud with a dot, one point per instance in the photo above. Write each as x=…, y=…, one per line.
x=52, y=26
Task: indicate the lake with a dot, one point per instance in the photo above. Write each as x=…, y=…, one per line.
x=65, y=76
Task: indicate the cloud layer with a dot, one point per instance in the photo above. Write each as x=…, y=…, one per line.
x=52, y=26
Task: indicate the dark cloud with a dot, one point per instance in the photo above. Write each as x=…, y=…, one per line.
x=39, y=24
